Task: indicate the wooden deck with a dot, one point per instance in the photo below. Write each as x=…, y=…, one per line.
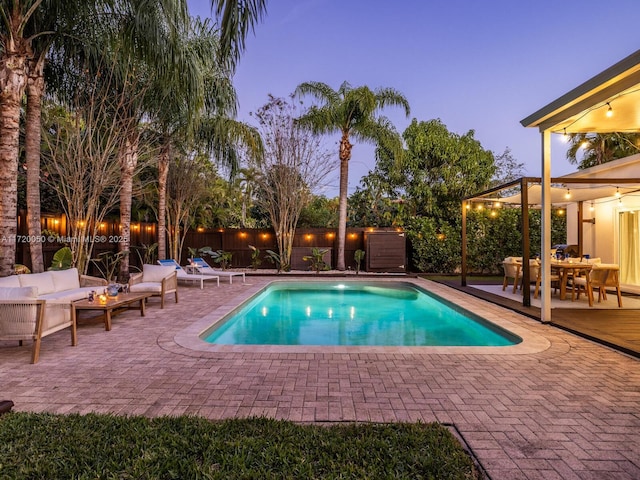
x=615, y=328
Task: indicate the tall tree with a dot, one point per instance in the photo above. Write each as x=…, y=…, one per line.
x=147, y=52
x=15, y=52
x=199, y=118
x=599, y=148
x=351, y=112
x=294, y=165
x=54, y=28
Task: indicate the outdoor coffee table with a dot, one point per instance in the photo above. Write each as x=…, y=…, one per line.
x=112, y=306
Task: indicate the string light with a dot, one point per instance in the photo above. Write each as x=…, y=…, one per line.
x=609, y=111
x=592, y=207
x=565, y=137
x=568, y=194
x=617, y=192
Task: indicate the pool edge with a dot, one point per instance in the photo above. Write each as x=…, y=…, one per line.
x=189, y=338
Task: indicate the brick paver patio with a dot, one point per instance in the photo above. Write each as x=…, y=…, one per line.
x=570, y=410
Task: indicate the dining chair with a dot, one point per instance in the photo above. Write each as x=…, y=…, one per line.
x=512, y=270
x=600, y=277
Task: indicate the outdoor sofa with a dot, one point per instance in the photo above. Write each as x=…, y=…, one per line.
x=35, y=305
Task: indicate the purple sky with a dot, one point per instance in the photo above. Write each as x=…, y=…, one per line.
x=478, y=65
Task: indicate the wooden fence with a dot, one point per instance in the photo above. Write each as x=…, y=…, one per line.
x=235, y=241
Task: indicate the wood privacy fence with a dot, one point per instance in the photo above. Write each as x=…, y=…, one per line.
x=385, y=248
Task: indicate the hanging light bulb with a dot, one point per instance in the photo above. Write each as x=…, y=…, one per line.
x=565, y=136
x=592, y=207
x=617, y=192
x=620, y=202
x=609, y=111
x=568, y=194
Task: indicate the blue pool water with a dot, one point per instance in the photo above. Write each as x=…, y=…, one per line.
x=354, y=313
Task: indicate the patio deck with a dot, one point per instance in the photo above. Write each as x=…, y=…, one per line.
x=570, y=410
x=605, y=323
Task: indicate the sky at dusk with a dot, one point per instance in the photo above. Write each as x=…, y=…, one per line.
x=479, y=65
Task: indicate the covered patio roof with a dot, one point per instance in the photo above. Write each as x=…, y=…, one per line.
x=584, y=109
x=608, y=102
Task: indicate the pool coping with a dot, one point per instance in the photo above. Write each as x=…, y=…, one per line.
x=532, y=342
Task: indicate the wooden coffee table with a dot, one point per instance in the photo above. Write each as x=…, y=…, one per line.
x=112, y=307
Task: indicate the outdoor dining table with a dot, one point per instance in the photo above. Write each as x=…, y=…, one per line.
x=566, y=269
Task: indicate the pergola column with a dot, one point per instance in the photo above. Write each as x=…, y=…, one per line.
x=545, y=309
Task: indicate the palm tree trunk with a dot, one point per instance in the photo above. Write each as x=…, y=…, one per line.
x=163, y=173
x=345, y=156
x=128, y=163
x=12, y=84
x=35, y=91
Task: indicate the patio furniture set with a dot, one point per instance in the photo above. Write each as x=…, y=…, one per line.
x=584, y=275
x=33, y=306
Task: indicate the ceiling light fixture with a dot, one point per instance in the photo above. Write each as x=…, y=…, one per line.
x=609, y=110
x=617, y=192
x=592, y=207
x=568, y=194
x=565, y=137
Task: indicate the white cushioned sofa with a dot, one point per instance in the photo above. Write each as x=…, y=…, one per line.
x=35, y=305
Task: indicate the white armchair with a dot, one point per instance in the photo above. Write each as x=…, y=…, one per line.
x=155, y=279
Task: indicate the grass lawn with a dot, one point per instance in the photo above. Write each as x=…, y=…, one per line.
x=45, y=446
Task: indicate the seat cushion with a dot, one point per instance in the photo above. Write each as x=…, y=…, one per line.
x=42, y=281
x=152, y=287
x=66, y=279
x=67, y=296
x=18, y=293
x=10, y=281
x=156, y=273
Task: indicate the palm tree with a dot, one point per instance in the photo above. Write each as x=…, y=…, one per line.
x=599, y=148
x=28, y=29
x=352, y=113
x=201, y=119
x=236, y=18
x=16, y=50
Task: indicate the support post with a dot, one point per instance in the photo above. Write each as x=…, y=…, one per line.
x=526, y=246
x=545, y=310
x=463, y=268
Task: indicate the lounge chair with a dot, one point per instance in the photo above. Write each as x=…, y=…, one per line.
x=205, y=269
x=155, y=279
x=184, y=276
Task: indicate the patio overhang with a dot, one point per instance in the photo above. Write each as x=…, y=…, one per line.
x=584, y=109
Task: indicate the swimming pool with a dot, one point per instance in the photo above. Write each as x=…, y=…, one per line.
x=353, y=314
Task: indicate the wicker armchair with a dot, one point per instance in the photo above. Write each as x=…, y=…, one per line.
x=157, y=280
x=22, y=320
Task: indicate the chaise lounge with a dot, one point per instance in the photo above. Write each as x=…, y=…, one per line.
x=203, y=268
x=188, y=277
